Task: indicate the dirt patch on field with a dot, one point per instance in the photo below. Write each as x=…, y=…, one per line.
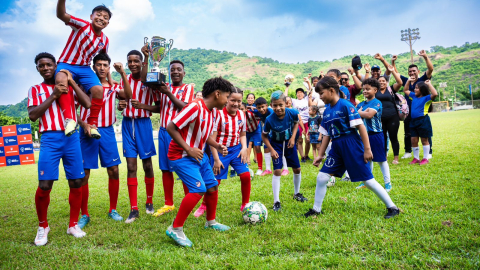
x=444, y=67
x=243, y=68
x=471, y=55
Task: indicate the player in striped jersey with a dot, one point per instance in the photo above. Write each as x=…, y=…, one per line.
x=137, y=133
x=84, y=42
x=254, y=136
x=42, y=105
x=190, y=130
x=106, y=146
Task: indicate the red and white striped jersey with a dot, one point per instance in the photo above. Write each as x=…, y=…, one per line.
x=229, y=127
x=52, y=119
x=106, y=117
x=83, y=44
x=195, y=123
x=168, y=111
x=141, y=93
x=251, y=121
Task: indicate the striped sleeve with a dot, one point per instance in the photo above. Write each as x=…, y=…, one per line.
x=105, y=48
x=188, y=94
x=76, y=23
x=186, y=116
x=32, y=97
x=244, y=122
x=216, y=120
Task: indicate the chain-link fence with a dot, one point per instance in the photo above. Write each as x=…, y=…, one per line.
x=445, y=106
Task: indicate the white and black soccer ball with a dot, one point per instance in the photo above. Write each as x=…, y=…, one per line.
x=255, y=213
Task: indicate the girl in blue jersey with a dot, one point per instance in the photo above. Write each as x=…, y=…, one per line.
x=371, y=111
x=349, y=152
x=420, y=125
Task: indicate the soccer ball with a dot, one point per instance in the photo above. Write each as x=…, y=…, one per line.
x=255, y=213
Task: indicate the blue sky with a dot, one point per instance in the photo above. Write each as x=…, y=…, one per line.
x=288, y=31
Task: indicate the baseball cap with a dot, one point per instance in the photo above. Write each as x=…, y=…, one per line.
x=299, y=89
x=375, y=67
x=356, y=63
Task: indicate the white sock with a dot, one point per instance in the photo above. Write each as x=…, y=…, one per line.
x=346, y=174
x=328, y=148
x=374, y=186
x=416, y=152
x=385, y=171
x=285, y=163
x=371, y=166
x=276, y=188
x=320, y=190
x=426, y=151
x=297, y=179
x=268, y=161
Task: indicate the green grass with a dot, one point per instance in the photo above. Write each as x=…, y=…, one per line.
x=439, y=226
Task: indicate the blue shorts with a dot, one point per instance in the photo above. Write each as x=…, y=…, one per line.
x=421, y=127
x=164, y=140
x=198, y=177
x=54, y=145
x=82, y=75
x=105, y=147
x=137, y=137
x=232, y=160
x=377, y=143
x=314, y=138
x=255, y=138
x=290, y=155
x=346, y=154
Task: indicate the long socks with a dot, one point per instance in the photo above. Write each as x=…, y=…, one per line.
x=268, y=161
x=260, y=161
x=65, y=101
x=246, y=187
x=186, y=207
x=168, y=183
x=85, y=194
x=381, y=193
x=416, y=152
x=297, y=179
x=42, y=200
x=132, y=184
x=149, y=187
x=426, y=151
x=276, y=188
x=113, y=187
x=211, y=199
x=285, y=167
x=385, y=171
x=97, y=104
x=75, y=201
x=320, y=190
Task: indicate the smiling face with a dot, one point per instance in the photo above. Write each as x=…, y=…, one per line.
x=177, y=73
x=413, y=72
x=134, y=63
x=243, y=108
x=417, y=90
x=314, y=83
x=369, y=91
x=376, y=73
x=102, y=68
x=199, y=95
x=278, y=107
x=300, y=94
x=100, y=20
x=46, y=67
x=250, y=99
x=344, y=79
x=383, y=83
x=262, y=109
x=234, y=102
x=288, y=102
x=221, y=99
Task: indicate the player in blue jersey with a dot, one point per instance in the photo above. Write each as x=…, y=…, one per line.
x=261, y=110
x=349, y=152
x=279, y=136
x=420, y=125
x=371, y=112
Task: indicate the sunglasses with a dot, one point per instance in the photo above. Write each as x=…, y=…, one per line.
x=344, y=79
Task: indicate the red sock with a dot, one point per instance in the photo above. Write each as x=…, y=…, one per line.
x=65, y=101
x=97, y=104
x=185, y=188
x=246, y=186
x=186, y=207
x=113, y=187
x=260, y=161
x=149, y=187
x=42, y=200
x=211, y=199
x=85, y=200
x=132, y=184
x=75, y=200
x=168, y=182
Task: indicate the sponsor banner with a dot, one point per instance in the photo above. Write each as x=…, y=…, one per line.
x=3, y=162
x=27, y=159
x=9, y=131
x=2, y=152
x=14, y=160
x=25, y=149
x=8, y=141
x=1, y=140
x=24, y=139
x=11, y=150
x=24, y=129
x=1, y=133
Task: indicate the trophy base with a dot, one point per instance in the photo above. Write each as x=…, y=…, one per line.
x=155, y=78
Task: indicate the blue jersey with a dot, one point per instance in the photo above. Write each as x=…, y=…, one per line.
x=340, y=119
x=420, y=105
x=345, y=91
x=373, y=124
x=263, y=116
x=314, y=124
x=281, y=129
x=412, y=86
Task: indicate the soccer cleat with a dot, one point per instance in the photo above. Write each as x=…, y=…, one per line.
x=362, y=185
x=42, y=236
x=115, y=215
x=307, y=158
x=388, y=186
x=303, y=160
x=254, y=160
x=285, y=172
x=391, y=212
x=346, y=179
x=132, y=216
x=266, y=172
x=76, y=231
x=251, y=174
x=70, y=127
x=259, y=172
x=181, y=240
x=331, y=182
x=200, y=210
x=84, y=220
x=95, y=134
x=217, y=227
x=299, y=197
x=424, y=161
x=149, y=208
x=242, y=207
x=233, y=173
x=414, y=161
x=407, y=155
x=312, y=212
x=277, y=206
x=165, y=209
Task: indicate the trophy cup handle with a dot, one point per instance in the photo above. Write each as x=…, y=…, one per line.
x=170, y=45
x=145, y=40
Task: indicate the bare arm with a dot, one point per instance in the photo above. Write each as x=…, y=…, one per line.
x=126, y=93
x=356, y=80
x=378, y=56
x=367, y=156
x=164, y=90
x=394, y=58
x=321, y=150
x=429, y=72
x=367, y=114
x=35, y=112
x=138, y=105
x=83, y=99
x=62, y=12
x=396, y=75
x=368, y=69
x=193, y=152
x=433, y=91
x=406, y=88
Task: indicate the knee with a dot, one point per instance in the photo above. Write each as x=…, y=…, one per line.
x=113, y=172
x=322, y=178
x=212, y=189
x=97, y=89
x=297, y=170
x=75, y=183
x=148, y=167
x=132, y=168
x=277, y=172
x=45, y=185
x=61, y=78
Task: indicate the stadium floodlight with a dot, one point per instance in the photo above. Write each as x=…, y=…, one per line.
x=409, y=35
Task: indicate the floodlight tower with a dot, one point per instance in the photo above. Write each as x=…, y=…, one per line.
x=408, y=36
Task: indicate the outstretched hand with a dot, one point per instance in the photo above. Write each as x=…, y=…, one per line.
x=378, y=56
x=394, y=58
x=422, y=53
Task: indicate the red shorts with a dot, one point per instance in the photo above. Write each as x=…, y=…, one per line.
x=301, y=130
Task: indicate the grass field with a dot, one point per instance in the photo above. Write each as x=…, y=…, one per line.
x=439, y=226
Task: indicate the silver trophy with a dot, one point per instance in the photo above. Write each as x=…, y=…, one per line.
x=158, y=49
